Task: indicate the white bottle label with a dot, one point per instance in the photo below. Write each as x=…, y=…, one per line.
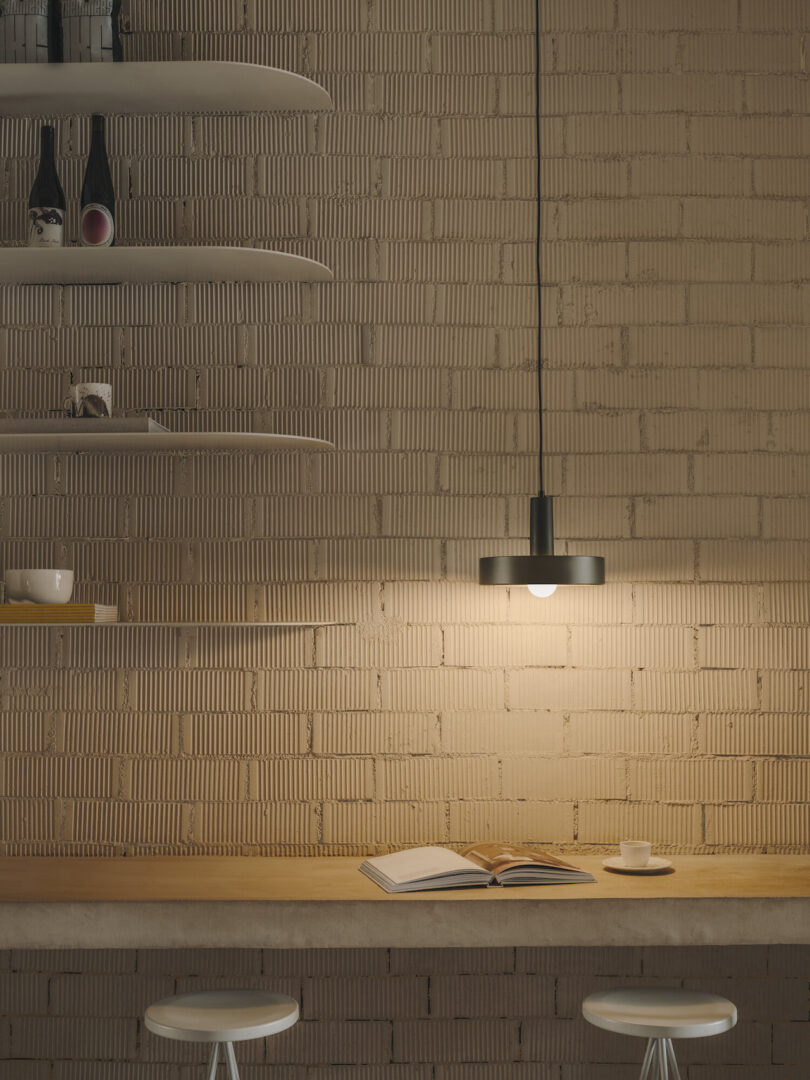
x=97, y=227
x=46, y=227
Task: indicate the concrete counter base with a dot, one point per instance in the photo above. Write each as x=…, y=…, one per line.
x=212, y=902
x=302, y=924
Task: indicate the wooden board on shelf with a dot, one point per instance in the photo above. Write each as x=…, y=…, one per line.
x=150, y=87
x=157, y=442
x=147, y=265
x=175, y=625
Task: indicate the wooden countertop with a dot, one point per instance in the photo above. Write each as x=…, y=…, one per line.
x=208, y=901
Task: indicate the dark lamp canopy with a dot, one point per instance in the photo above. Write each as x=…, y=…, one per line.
x=541, y=570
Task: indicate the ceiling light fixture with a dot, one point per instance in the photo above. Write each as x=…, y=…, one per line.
x=541, y=570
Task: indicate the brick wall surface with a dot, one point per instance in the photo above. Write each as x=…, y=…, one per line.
x=425, y=1014
x=677, y=280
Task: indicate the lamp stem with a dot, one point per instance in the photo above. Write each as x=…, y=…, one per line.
x=541, y=527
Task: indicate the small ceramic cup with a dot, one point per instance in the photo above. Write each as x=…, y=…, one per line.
x=89, y=399
x=38, y=586
x=635, y=852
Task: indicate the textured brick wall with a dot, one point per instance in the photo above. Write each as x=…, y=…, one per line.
x=671, y=703
x=453, y=1014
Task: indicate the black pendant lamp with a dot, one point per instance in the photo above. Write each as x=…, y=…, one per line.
x=541, y=569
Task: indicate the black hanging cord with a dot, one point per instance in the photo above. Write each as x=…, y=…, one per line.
x=537, y=240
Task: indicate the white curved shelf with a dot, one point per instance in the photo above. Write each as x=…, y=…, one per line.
x=165, y=86
x=157, y=441
x=147, y=265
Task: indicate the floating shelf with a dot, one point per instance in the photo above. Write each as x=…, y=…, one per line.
x=168, y=86
x=149, y=265
x=156, y=441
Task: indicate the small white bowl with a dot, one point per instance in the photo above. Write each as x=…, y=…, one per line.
x=38, y=586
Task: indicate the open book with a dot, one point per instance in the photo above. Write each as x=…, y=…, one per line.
x=478, y=864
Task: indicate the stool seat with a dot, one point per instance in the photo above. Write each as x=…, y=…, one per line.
x=660, y=1013
x=221, y=1016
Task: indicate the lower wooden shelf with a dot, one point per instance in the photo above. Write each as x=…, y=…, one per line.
x=168, y=625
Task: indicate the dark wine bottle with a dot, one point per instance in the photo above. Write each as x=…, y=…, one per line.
x=55, y=51
x=46, y=203
x=98, y=195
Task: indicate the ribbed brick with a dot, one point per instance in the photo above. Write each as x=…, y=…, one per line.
x=562, y=778
x=682, y=93
x=390, y=823
x=689, y=15
x=785, y=825
x=694, y=516
x=632, y=647
x=716, y=431
x=539, y=822
x=377, y=998
x=780, y=176
x=691, y=261
x=744, y=52
x=688, y=346
x=570, y=689
x=504, y=647
x=447, y=1040
x=721, y=219
x=783, y=781
x=609, y=823
x=615, y=52
x=628, y=733
x=491, y=996
x=374, y=733
x=729, y=647
x=502, y=732
x=456, y=778
x=691, y=781
x=759, y=733
x=694, y=691
x=636, y=134
x=431, y=691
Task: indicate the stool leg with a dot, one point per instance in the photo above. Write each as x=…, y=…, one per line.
x=663, y=1067
x=647, y=1062
x=213, y=1062
x=673, y=1063
x=230, y=1057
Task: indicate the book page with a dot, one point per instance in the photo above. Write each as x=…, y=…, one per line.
x=496, y=857
x=416, y=864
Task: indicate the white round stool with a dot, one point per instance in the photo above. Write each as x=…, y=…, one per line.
x=221, y=1017
x=660, y=1016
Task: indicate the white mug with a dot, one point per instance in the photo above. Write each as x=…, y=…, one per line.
x=89, y=399
x=38, y=586
x=635, y=852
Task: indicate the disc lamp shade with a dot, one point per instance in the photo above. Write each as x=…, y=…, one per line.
x=540, y=569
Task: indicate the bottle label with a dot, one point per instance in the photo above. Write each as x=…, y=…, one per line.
x=46, y=227
x=98, y=227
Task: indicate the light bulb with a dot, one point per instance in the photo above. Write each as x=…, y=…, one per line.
x=542, y=590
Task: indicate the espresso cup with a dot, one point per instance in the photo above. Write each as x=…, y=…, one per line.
x=89, y=399
x=635, y=852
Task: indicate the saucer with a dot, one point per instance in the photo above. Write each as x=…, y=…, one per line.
x=654, y=866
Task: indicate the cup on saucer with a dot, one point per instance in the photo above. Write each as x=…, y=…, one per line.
x=635, y=853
